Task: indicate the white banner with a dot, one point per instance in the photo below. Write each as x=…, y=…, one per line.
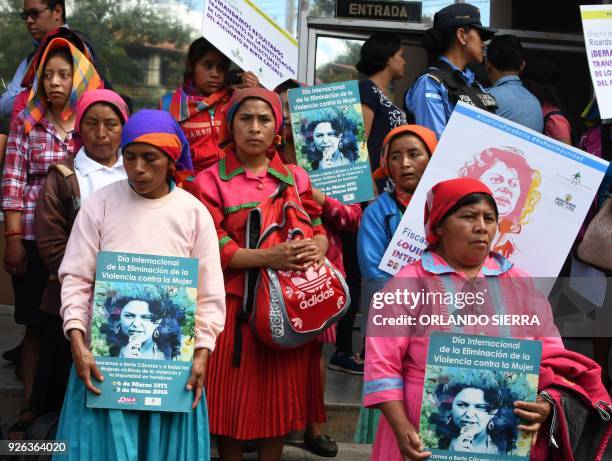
x=597, y=27
x=246, y=35
x=543, y=189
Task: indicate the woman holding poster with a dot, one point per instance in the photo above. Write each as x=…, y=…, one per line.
x=162, y=220
x=460, y=223
x=199, y=104
x=256, y=391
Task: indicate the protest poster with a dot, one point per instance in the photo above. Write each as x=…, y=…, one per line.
x=471, y=383
x=329, y=139
x=251, y=39
x=597, y=28
x=543, y=190
x=143, y=331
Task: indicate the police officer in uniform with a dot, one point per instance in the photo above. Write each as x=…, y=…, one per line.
x=457, y=39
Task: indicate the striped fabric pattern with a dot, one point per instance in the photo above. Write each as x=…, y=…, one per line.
x=84, y=78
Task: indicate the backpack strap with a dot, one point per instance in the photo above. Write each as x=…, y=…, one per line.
x=458, y=89
x=64, y=170
x=253, y=233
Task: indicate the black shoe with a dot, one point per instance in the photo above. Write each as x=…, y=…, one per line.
x=250, y=446
x=346, y=363
x=323, y=445
x=13, y=355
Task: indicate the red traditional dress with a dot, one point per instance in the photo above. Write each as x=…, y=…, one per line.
x=268, y=395
x=201, y=118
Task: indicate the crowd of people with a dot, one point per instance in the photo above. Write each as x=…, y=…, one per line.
x=83, y=173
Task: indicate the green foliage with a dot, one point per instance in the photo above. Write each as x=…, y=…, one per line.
x=15, y=40
x=331, y=72
x=119, y=35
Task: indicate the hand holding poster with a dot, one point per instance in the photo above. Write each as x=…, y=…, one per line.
x=329, y=138
x=471, y=384
x=246, y=35
x=597, y=27
x=543, y=190
x=143, y=331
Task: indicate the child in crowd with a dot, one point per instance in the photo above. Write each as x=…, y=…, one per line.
x=199, y=104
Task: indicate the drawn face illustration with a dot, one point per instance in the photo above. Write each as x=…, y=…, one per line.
x=505, y=185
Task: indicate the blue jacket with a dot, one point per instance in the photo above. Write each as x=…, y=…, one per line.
x=378, y=224
x=516, y=103
x=428, y=100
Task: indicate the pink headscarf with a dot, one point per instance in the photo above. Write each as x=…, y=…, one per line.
x=89, y=98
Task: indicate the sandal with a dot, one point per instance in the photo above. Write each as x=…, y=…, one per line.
x=17, y=431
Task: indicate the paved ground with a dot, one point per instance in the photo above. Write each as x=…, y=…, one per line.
x=295, y=452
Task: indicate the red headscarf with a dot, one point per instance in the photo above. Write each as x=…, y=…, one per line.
x=240, y=96
x=445, y=195
x=268, y=96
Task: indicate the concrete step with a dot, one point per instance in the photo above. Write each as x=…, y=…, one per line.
x=296, y=452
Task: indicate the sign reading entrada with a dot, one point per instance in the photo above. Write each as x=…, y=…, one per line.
x=377, y=9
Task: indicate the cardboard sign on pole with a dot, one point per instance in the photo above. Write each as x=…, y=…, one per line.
x=250, y=38
x=597, y=27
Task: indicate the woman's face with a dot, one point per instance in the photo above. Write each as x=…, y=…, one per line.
x=209, y=72
x=396, y=64
x=467, y=234
x=137, y=319
x=408, y=159
x=57, y=81
x=253, y=127
x=474, y=46
x=470, y=410
x=326, y=139
x=147, y=169
x=101, y=133
x=505, y=185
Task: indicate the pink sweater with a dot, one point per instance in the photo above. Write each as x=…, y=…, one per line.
x=115, y=218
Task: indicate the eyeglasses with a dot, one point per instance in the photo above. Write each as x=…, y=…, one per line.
x=32, y=14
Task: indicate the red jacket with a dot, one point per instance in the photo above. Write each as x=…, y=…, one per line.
x=572, y=383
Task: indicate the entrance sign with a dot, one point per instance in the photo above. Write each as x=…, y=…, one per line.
x=250, y=38
x=597, y=26
x=543, y=190
x=379, y=9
